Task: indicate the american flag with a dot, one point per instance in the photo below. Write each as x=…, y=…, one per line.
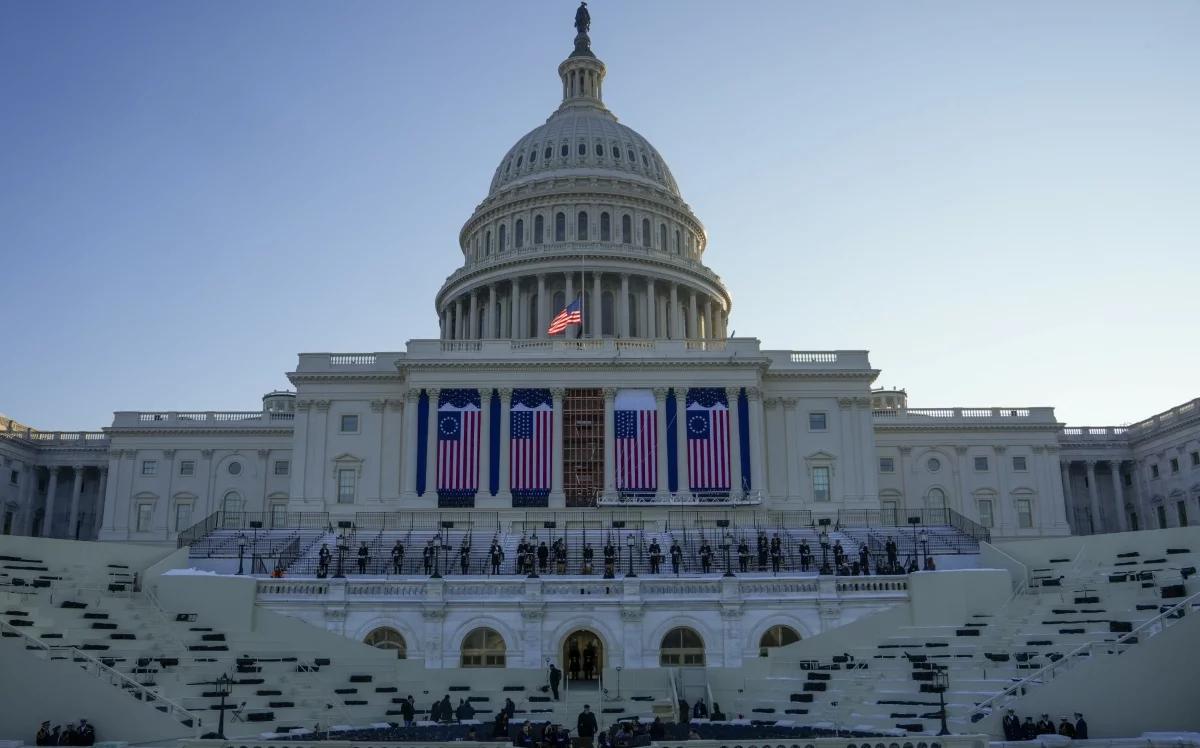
x=458, y=443
x=708, y=439
x=571, y=315
x=531, y=430
x=636, y=440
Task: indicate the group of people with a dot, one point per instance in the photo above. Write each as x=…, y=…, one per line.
x=534, y=557
x=442, y=711
x=1015, y=729
x=699, y=710
x=69, y=734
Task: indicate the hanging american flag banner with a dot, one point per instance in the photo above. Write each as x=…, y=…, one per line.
x=708, y=439
x=531, y=430
x=635, y=444
x=458, y=443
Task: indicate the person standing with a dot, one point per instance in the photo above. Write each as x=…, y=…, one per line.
x=655, y=556
x=890, y=548
x=497, y=557
x=464, y=557
x=743, y=551
x=762, y=550
x=864, y=556
x=776, y=553
x=585, y=726
x=323, y=557
x=610, y=560
x=364, y=557
x=1045, y=726
x=805, y=555
x=397, y=558
x=43, y=734
x=588, y=556
x=685, y=711
x=589, y=661
x=706, y=557
x=839, y=554
x=543, y=554
x=1081, y=727
x=573, y=661
x=555, y=679
x=1028, y=729
x=1066, y=729
x=519, y=561
x=408, y=711
x=676, y=556
x=427, y=555
x=1011, y=725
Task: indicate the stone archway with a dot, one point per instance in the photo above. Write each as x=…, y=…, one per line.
x=583, y=657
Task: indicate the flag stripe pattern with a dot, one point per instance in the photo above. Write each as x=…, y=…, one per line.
x=572, y=314
x=458, y=442
x=707, y=416
x=635, y=443
x=531, y=431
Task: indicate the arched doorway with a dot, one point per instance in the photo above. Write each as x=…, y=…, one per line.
x=777, y=636
x=682, y=647
x=483, y=647
x=386, y=637
x=583, y=657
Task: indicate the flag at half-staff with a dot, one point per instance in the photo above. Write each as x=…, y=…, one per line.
x=572, y=314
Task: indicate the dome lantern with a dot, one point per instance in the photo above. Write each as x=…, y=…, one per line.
x=582, y=73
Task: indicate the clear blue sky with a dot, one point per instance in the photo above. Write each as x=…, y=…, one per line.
x=1000, y=200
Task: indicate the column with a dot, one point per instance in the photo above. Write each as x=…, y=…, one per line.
x=408, y=444
x=485, y=441
x=492, y=322
x=672, y=318
x=76, y=492
x=459, y=327
x=651, y=310
x=708, y=319
x=735, y=442
x=1119, y=495
x=757, y=457
x=28, y=486
x=569, y=293
x=101, y=502
x=556, y=453
x=473, y=317
x=541, y=305
x=1068, y=500
x=610, y=463
x=660, y=449
x=505, y=444
x=623, y=306
x=442, y=320
x=1093, y=497
x=51, y=488
x=510, y=309
x=597, y=307
x=693, y=328
x=431, y=450
x=681, y=445
x=792, y=448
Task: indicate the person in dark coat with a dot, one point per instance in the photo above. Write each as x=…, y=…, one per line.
x=776, y=553
x=43, y=734
x=1029, y=729
x=555, y=679
x=805, y=555
x=588, y=556
x=464, y=557
x=510, y=708
x=323, y=558
x=500, y=726
x=676, y=557
x=717, y=715
x=890, y=548
x=496, y=555
x=864, y=557
x=1081, y=727
x=658, y=731
x=408, y=711
x=447, y=709
x=543, y=555
x=706, y=557
x=1012, y=726
x=589, y=661
x=1045, y=726
x=685, y=712
x=839, y=553
x=397, y=558
x=573, y=662
x=743, y=551
x=585, y=726
x=700, y=711
x=762, y=551
x=655, y=556
x=610, y=560
x=364, y=556
x=427, y=554
x=1066, y=729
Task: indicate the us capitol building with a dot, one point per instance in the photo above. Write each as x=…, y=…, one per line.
x=646, y=414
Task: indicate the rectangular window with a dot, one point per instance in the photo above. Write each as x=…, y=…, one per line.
x=1181, y=510
x=981, y=464
x=1174, y=464
x=145, y=513
x=187, y=467
x=887, y=464
x=1024, y=514
x=13, y=477
x=820, y=480
x=985, y=512
x=282, y=467
x=279, y=515
x=816, y=422
x=1161, y=512
x=1154, y=471
x=349, y=424
x=149, y=467
x=1195, y=459
x=183, y=517
x=345, y=486
x=1019, y=464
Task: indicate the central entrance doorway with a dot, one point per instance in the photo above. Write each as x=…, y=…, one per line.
x=583, y=658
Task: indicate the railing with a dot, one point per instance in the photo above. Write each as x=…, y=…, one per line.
x=198, y=530
x=221, y=520
x=744, y=498
x=200, y=419
x=1148, y=629
x=91, y=439
x=115, y=678
x=1038, y=414
x=352, y=359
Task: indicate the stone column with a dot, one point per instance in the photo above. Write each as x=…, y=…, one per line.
x=541, y=305
x=442, y=324
x=1118, y=495
x=473, y=317
x=610, y=462
x=485, y=435
x=660, y=446
x=76, y=492
x=651, y=310
x=1094, y=497
x=569, y=292
x=492, y=322
x=431, y=450
x=505, y=441
x=28, y=484
x=735, y=442
x=672, y=318
x=757, y=456
x=556, y=453
x=101, y=501
x=681, y=445
x=708, y=319
x=51, y=489
x=597, y=325
x=693, y=321
x=792, y=441
x=511, y=308
x=1068, y=500
x=623, y=307
x=459, y=326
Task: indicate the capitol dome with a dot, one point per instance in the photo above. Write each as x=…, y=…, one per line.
x=583, y=208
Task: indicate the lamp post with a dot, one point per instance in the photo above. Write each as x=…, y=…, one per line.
x=728, y=542
x=924, y=548
x=941, y=683
x=241, y=551
x=824, y=537
x=224, y=688
x=341, y=548
x=629, y=548
x=914, y=521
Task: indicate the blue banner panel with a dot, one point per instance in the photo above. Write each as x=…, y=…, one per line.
x=422, y=439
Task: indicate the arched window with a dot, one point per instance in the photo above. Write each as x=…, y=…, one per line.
x=646, y=233
x=519, y=233
x=232, y=502
x=599, y=150
x=560, y=227
x=605, y=228
x=565, y=150
x=533, y=157
x=607, y=323
x=616, y=153
x=582, y=149
x=682, y=647
x=662, y=237
x=503, y=237
x=507, y=167
x=581, y=226
x=483, y=647
x=935, y=499
x=386, y=637
x=549, y=152
x=487, y=244
x=626, y=229
x=539, y=225
x=777, y=636
x=520, y=160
